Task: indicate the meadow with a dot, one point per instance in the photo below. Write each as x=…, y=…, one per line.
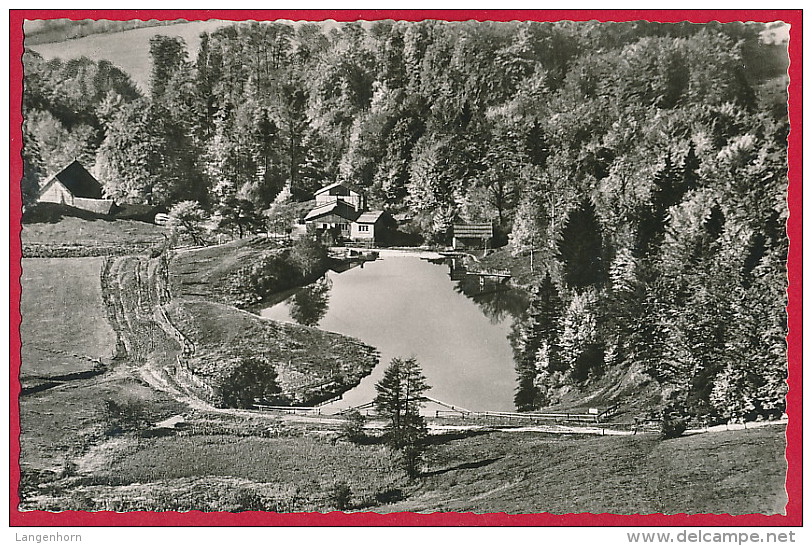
x=734, y=472
x=64, y=322
x=129, y=49
x=311, y=364
x=50, y=230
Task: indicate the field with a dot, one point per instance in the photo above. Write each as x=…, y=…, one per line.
x=736, y=472
x=64, y=327
x=206, y=272
x=128, y=50
x=60, y=231
x=297, y=468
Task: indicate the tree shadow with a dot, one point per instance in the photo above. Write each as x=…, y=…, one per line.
x=437, y=439
x=463, y=466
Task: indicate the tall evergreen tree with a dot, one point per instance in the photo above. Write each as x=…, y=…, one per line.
x=581, y=248
x=399, y=399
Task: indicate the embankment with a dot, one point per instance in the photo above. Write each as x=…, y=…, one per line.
x=192, y=342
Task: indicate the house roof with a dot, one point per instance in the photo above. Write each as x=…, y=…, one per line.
x=370, y=217
x=77, y=180
x=473, y=230
x=334, y=185
x=339, y=208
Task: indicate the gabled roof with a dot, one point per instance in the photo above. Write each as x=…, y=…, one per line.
x=473, y=230
x=335, y=185
x=339, y=208
x=77, y=181
x=369, y=217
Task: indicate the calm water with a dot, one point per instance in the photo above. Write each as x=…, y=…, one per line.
x=406, y=306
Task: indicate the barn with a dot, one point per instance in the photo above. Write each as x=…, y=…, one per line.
x=76, y=187
x=472, y=235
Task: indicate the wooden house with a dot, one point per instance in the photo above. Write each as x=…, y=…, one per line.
x=76, y=187
x=341, y=192
x=373, y=226
x=336, y=217
x=472, y=235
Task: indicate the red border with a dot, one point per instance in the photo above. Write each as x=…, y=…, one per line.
x=794, y=308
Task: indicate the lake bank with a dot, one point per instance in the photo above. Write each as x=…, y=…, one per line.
x=406, y=305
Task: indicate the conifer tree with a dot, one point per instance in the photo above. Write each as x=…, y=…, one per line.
x=399, y=399
x=581, y=247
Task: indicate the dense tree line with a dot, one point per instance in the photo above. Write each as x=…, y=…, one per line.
x=643, y=163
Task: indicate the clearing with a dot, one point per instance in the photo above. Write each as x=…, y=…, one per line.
x=64, y=326
x=59, y=231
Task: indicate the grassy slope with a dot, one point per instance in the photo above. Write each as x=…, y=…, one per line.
x=737, y=472
x=305, y=358
x=205, y=272
x=61, y=423
x=128, y=50
x=307, y=464
x=64, y=324
x=49, y=224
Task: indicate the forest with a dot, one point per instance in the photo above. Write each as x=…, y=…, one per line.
x=644, y=165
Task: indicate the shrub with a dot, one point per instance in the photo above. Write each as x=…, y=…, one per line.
x=340, y=495
x=353, y=427
x=128, y=414
x=672, y=425
x=251, y=379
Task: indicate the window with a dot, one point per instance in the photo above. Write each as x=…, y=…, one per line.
x=362, y=227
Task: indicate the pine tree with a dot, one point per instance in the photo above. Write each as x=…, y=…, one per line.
x=581, y=247
x=536, y=346
x=399, y=399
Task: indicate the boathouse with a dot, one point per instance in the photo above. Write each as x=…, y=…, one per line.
x=472, y=235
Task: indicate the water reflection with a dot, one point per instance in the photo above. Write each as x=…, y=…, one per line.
x=309, y=305
x=497, y=300
x=405, y=306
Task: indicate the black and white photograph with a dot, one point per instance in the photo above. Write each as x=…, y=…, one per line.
x=385, y=266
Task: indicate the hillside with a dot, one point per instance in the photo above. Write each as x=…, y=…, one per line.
x=64, y=330
x=127, y=49
x=52, y=230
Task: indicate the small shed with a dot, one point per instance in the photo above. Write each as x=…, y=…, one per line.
x=472, y=235
x=76, y=187
x=374, y=226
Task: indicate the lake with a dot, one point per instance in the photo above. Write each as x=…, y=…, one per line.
x=407, y=306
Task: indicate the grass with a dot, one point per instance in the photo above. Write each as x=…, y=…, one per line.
x=207, y=272
x=50, y=225
x=129, y=49
x=226, y=472
x=735, y=472
x=311, y=364
x=307, y=461
x=64, y=325
x=63, y=422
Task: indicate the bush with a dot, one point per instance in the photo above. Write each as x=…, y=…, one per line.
x=672, y=426
x=125, y=415
x=251, y=379
x=353, y=427
x=340, y=495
